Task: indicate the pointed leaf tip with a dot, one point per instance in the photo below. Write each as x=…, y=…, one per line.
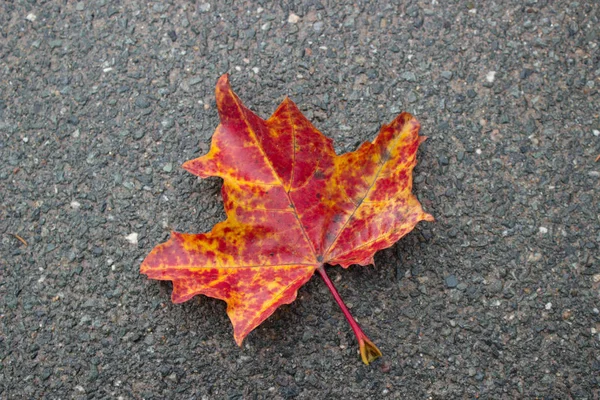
x=188, y=166
x=223, y=80
x=239, y=340
x=223, y=88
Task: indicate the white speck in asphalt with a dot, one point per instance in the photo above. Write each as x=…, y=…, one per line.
x=132, y=238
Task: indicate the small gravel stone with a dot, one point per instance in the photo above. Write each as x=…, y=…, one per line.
x=195, y=80
x=293, y=18
x=418, y=22
x=412, y=97
x=409, y=76
x=159, y=7
x=93, y=374
x=451, y=281
x=46, y=373
x=167, y=123
x=447, y=75
x=525, y=73
x=132, y=238
x=55, y=43
x=495, y=286
x=142, y=102
x=377, y=88
x=249, y=33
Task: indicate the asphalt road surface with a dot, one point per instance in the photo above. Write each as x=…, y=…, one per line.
x=102, y=101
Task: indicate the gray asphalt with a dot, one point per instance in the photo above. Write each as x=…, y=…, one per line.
x=101, y=102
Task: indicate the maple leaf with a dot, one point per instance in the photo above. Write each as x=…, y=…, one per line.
x=292, y=206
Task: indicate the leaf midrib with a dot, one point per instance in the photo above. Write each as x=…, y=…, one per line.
x=268, y=161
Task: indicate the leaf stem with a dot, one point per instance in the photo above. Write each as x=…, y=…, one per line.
x=368, y=351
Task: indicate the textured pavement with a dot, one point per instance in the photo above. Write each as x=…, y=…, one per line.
x=102, y=101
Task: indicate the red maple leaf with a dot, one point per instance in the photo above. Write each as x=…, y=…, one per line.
x=292, y=206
